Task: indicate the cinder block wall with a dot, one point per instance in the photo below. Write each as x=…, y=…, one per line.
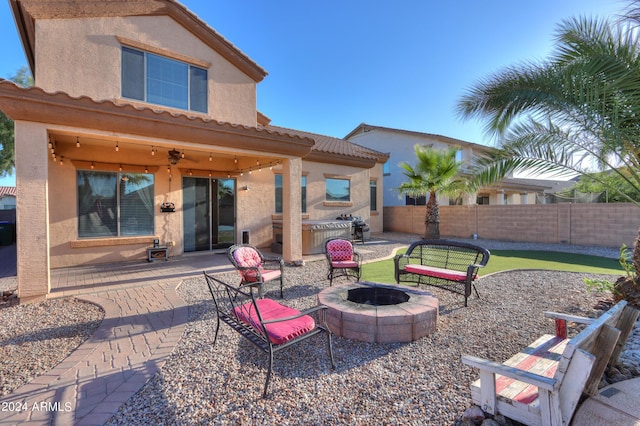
x=608, y=225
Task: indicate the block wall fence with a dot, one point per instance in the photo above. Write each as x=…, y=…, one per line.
x=607, y=225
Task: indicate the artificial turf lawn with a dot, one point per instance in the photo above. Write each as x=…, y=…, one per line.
x=503, y=260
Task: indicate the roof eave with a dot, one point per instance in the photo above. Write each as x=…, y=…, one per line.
x=25, y=23
x=340, y=159
x=35, y=105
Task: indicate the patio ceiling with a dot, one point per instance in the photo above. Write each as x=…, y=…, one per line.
x=106, y=152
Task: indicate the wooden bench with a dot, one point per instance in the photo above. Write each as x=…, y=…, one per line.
x=447, y=264
x=543, y=384
x=264, y=322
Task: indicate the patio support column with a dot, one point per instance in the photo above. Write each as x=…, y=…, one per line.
x=292, y=209
x=32, y=211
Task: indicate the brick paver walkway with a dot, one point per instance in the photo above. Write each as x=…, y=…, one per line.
x=144, y=320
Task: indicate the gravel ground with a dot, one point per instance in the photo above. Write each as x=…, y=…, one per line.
x=422, y=382
x=35, y=338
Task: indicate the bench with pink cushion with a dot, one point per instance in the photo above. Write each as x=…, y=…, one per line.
x=450, y=265
x=255, y=268
x=267, y=324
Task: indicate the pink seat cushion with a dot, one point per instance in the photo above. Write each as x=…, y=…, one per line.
x=280, y=332
x=344, y=264
x=340, y=250
x=431, y=271
x=270, y=274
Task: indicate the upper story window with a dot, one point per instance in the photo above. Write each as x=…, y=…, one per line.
x=159, y=80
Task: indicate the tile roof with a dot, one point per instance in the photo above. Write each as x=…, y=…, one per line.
x=35, y=104
x=364, y=127
x=27, y=12
x=7, y=190
x=336, y=146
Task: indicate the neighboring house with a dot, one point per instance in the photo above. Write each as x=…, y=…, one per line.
x=401, y=144
x=7, y=197
x=142, y=125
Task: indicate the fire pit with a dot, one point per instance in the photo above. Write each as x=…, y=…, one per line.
x=379, y=313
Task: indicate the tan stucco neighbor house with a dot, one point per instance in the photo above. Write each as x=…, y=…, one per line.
x=142, y=125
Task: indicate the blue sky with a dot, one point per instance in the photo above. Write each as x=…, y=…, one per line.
x=333, y=64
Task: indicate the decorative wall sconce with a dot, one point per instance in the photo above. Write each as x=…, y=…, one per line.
x=167, y=207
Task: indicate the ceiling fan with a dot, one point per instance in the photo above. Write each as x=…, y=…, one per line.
x=175, y=156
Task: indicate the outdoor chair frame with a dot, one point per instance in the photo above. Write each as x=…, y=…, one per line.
x=240, y=310
x=257, y=274
x=347, y=264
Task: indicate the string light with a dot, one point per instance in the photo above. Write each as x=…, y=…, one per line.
x=92, y=166
x=50, y=143
x=77, y=142
x=61, y=160
x=120, y=168
x=117, y=147
x=210, y=157
x=182, y=154
x=153, y=150
x=168, y=168
x=190, y=172
x=146, y=169
x=210, y=173
x=235, y=160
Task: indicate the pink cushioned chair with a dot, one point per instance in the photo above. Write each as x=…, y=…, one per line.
x=264, y=322
x=343, y=260
x=254, y=268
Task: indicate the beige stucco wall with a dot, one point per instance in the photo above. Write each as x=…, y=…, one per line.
x=86, y=61
x=32, y=230
x=66, y=248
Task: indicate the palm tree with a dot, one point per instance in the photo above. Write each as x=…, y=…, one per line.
x=577, y=109
x=436, y=171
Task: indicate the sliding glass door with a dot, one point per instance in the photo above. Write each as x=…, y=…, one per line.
x=208, y=213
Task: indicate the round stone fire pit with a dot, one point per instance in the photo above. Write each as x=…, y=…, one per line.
x=379, y=313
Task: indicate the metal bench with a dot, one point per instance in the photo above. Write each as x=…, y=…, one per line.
x=447, y=264
x=266, y=323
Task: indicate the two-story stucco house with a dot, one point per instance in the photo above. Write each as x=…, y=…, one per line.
x=142, y=125
x=401, y=144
